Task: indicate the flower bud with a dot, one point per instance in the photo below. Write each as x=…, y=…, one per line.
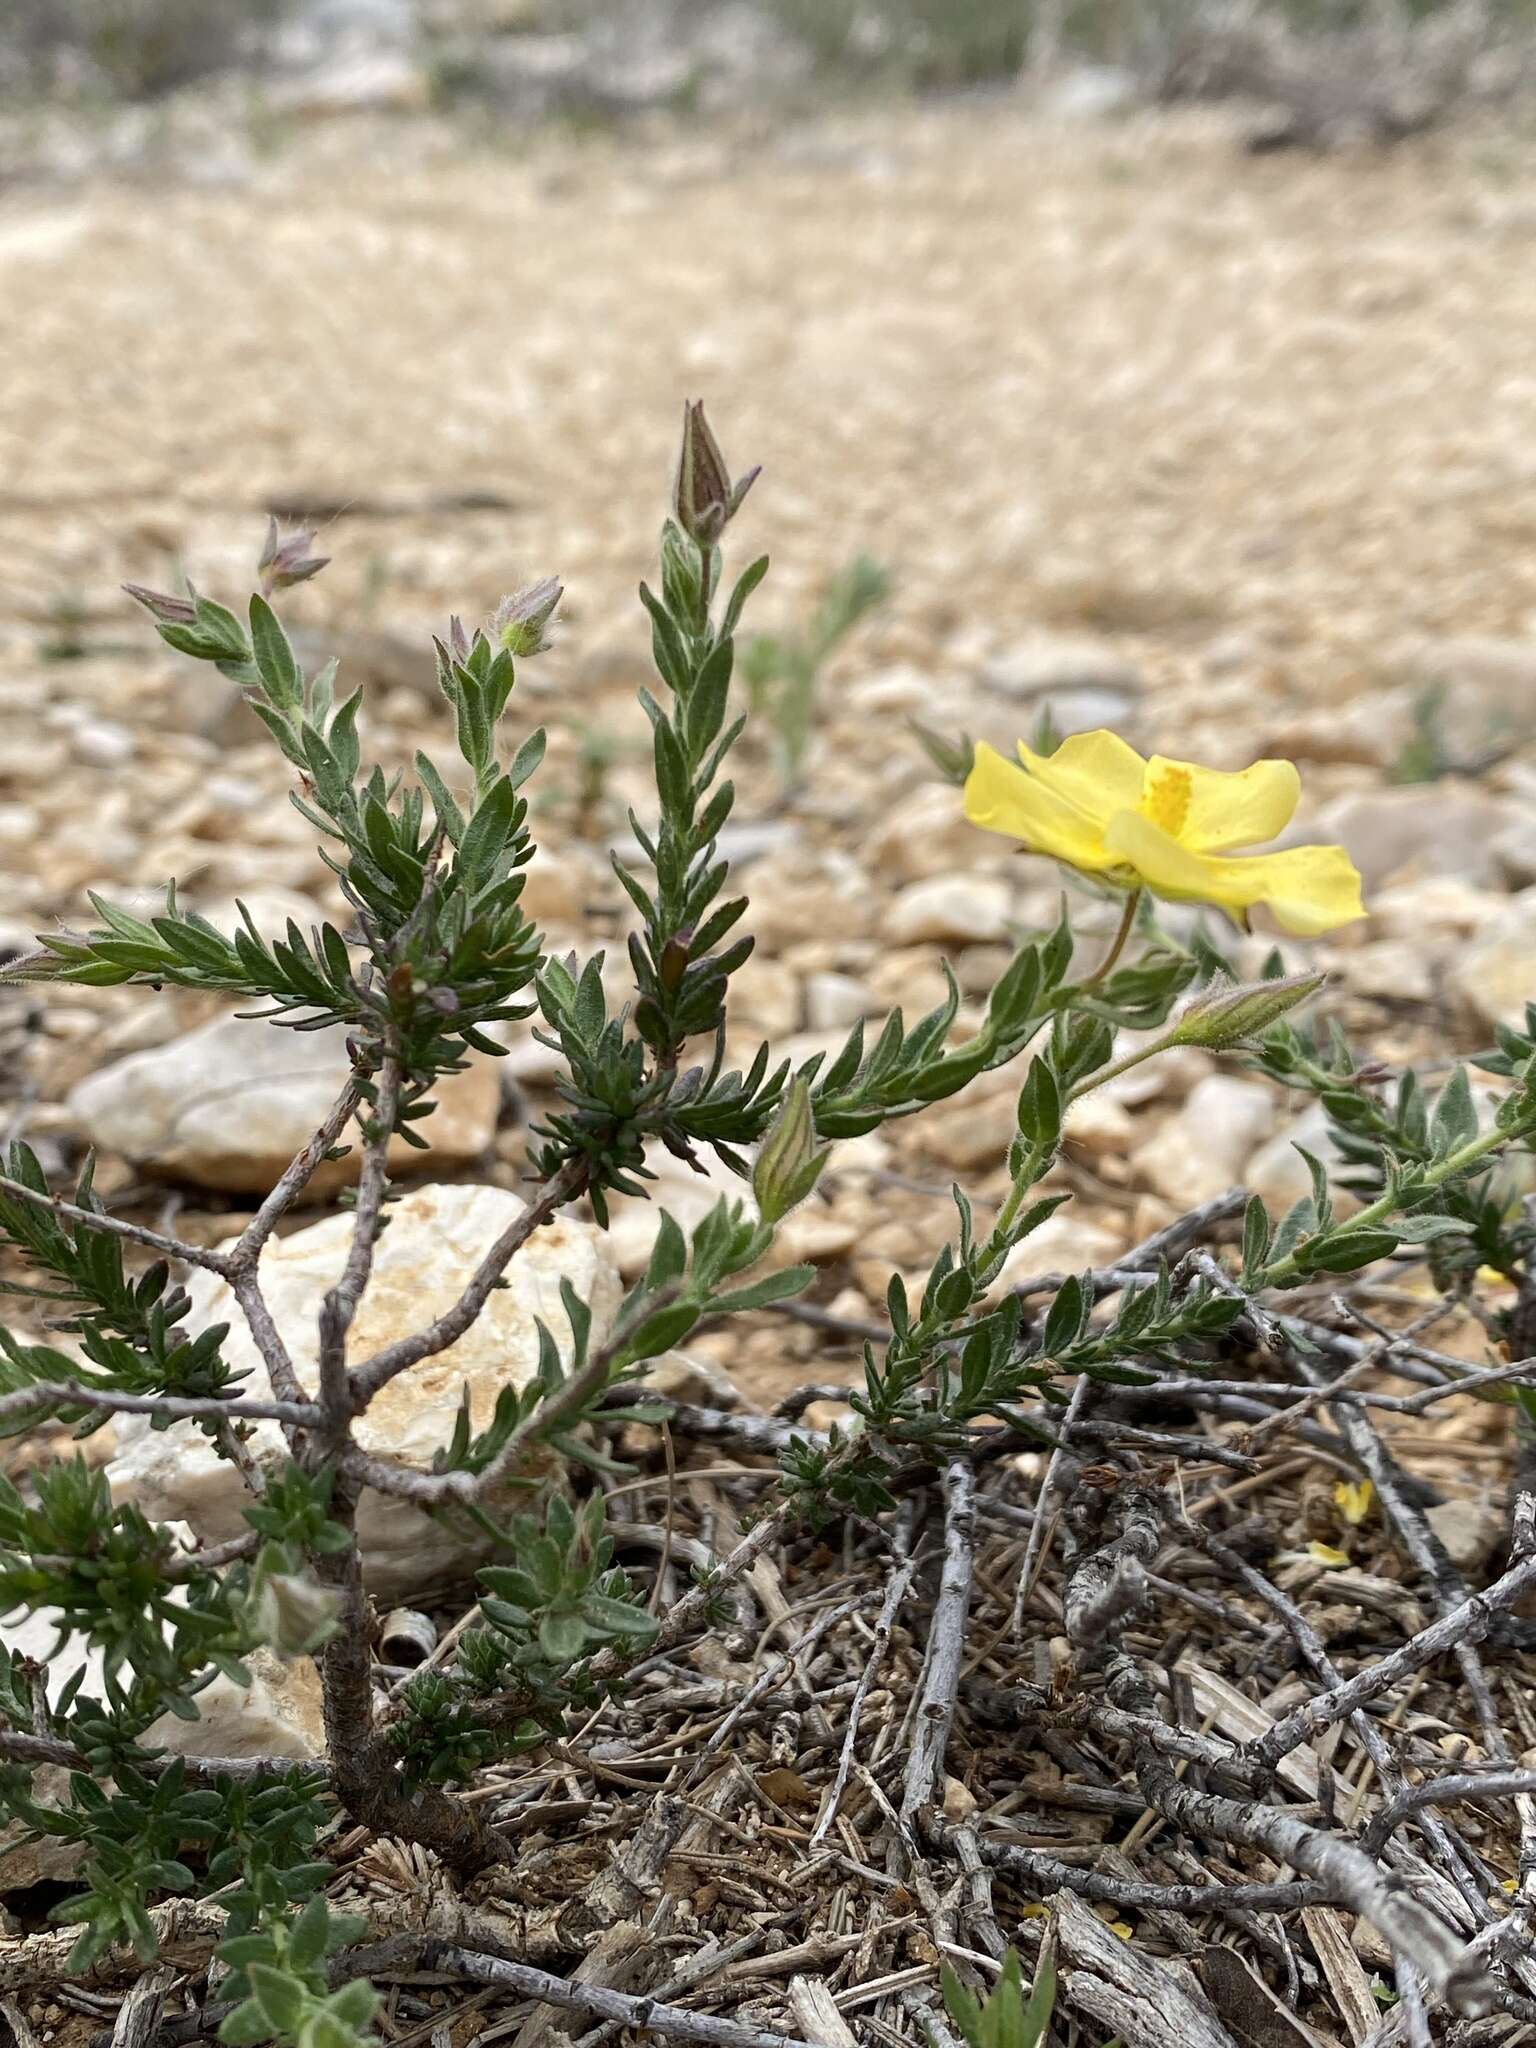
x=520, y=620
x=285, y=560
x=192, y=625
x=704, y=497
x=788, y=1164
x=954, y=758
x=1227, y=1013
x=294, y=1614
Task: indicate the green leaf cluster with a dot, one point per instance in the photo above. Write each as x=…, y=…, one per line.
x=1004, y=2019
x=106, y=1570
x=282, y=1986
x=556, y=1602
x=129, y=1326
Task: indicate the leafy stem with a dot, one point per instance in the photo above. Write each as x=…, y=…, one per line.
x=1293, y=1266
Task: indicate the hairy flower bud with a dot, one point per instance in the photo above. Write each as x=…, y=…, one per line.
x=1229, y=1012
x=519, y=621
x=293, y=1613
x=788, y=1164
x=285, y=560
x=704, y=497
x=193, y=625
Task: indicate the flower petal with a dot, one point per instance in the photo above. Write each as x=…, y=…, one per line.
x=1310, y=889
x=1096, y=772
x=1228, y=810
x=1000, y=797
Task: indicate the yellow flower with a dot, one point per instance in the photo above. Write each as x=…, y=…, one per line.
x=1353, y=1498
x=1164, y=825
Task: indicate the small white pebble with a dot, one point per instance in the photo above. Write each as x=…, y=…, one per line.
x=101, y=744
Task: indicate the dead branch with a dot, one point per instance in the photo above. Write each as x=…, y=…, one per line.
x=1467, y=1623
x=1110, y=1585
x=946, y=1640
x=1125, y=1991
x=1351, y=1877
x=896, y=1592
x=427, y=1953
x=1446, y=1791
x=1044, y=1874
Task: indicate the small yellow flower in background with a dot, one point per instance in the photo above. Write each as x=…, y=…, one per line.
x=1163, y=825
x=1353, y=1499
x=1325, y=1554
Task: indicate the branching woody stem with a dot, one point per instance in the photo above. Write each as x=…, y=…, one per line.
x=1467, y=1623
x=435, y=1489
x=47, y=1750
x=242, y=1262
x=115, y=1226
x=295, y=1179
x=267, y=1338
x=364, y=1770
x=341, y=1303
x=177, y=1407
x=447, y=1328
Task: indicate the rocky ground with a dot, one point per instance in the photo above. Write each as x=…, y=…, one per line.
x=1237, y=456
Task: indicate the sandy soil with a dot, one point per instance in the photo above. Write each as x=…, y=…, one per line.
x=1121, y=374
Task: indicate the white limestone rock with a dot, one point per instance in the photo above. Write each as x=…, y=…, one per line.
x=1206, y=1148
x=960, y=908
x=229, y=1104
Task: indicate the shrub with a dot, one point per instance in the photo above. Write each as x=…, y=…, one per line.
x=438, y=957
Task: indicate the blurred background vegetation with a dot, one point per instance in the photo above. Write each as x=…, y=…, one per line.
x=140, y=50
